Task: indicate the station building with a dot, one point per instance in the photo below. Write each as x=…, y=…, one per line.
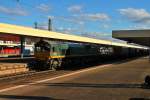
x=10, y=46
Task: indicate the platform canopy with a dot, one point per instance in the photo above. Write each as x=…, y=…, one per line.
x=28, y=31
x=141, y=37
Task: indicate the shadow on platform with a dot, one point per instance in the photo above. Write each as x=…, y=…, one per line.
x=139, y=99
x=82, y=85
x=112, y=61
x=128, y=60
x=16, y=97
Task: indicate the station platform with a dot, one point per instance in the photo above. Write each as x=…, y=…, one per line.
x=121, y=80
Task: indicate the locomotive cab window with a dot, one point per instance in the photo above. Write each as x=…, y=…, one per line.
x=41, y=49
x=42, y=46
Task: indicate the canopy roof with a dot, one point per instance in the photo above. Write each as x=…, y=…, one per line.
x=141, y=37
x=27, y=31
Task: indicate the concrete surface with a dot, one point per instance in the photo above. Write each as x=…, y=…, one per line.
x=117, y=81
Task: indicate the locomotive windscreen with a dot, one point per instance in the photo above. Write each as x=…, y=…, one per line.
x=42, y=46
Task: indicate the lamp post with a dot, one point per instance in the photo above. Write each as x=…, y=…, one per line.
x=49, y=24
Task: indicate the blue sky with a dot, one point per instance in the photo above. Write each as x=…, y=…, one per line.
x=94, y=18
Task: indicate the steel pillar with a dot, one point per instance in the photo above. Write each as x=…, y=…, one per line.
x=22, y=42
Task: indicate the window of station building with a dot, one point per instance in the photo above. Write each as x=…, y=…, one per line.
x=1, y=41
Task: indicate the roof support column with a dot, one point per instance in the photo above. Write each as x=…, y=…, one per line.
x=149, y=54
x=22, y=42
x=149, y=49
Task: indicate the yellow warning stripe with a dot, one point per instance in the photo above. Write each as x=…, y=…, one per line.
x=57, y=57
x=71, y=56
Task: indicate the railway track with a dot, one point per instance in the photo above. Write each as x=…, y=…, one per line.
x=28, y=77
x=22, y=75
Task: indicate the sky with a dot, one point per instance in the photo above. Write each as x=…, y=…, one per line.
x=92, y=18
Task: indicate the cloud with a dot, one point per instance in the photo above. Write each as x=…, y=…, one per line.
x=69, y=19
x=78, y=22
x=97, y=35
x=106, y=26
x=139, y=26
x=13, y=11
x=75, y=8
x=136, y=15
x=93, y=17
x=97, y=16
x=43, y=27
x=81, y=19
x=44, y=7
x=68, y=30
